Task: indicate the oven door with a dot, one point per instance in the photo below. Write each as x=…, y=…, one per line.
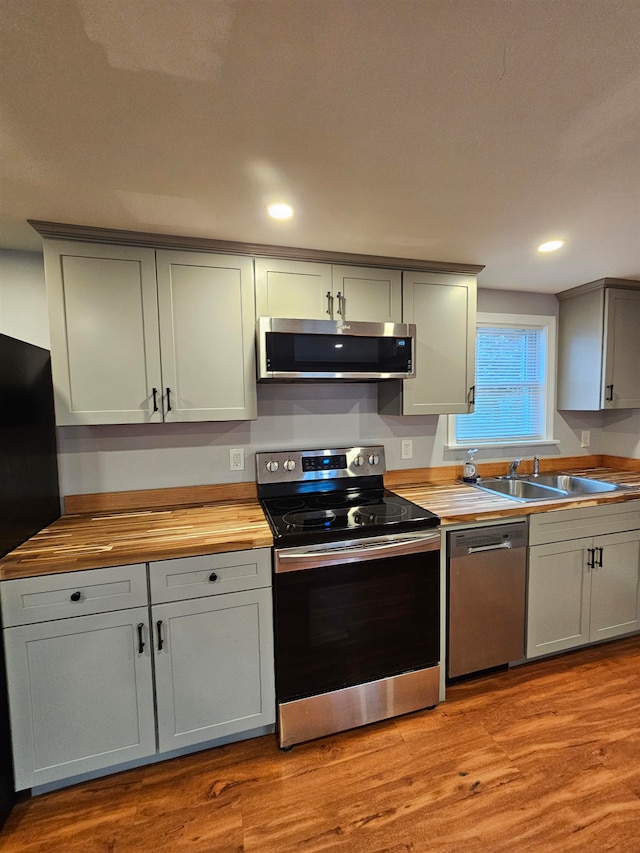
x=347, y=613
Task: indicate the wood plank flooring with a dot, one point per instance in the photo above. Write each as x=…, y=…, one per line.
x=544, y=757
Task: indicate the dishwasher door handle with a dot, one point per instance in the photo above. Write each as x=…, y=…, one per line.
x=479, y=549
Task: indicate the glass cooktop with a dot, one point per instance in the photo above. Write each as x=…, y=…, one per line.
x=352, y=513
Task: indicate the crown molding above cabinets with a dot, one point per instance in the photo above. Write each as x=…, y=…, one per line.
x=65, y=231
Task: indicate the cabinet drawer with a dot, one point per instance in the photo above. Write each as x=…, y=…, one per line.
x=213, y=574
x=46, y=597
x=566, y=524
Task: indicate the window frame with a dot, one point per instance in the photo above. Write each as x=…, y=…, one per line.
x=547, y=324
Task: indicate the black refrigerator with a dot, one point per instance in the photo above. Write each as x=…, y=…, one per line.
x=29, y=494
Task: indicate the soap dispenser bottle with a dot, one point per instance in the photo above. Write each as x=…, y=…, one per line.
x=470, y=471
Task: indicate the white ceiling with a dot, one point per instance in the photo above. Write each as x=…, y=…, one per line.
x=456, y=130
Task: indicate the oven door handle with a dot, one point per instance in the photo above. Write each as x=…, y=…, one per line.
x=290, y=561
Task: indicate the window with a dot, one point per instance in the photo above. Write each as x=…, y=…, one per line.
x=515, y=383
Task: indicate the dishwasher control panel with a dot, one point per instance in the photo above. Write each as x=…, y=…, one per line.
x=496, y=536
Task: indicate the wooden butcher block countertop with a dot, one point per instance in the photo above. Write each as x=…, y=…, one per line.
x=111, y=530
x=457, y=502
x=76, y=542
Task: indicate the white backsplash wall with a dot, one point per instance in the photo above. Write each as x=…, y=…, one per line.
x=620, y=435
x=121, y=458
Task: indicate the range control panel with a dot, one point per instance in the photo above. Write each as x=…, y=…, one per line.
x=282, y=466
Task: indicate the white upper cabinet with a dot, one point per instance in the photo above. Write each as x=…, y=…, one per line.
x=293, y=289
x=130, y=347
x=366, y=294
x=105, y=351
x=316, y=291
x=599, y=346
x=443, y=307
x=207, y=333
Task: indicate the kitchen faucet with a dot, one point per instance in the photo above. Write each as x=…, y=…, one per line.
x=513, y=467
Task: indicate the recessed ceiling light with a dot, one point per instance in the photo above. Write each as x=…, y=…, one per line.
x=280, y=211
x=551, y=246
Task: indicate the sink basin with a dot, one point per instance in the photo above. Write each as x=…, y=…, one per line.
x=520, y=490
x=546, y=487
x=575, y=485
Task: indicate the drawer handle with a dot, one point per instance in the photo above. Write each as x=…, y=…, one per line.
x=76, y=596
x=140, y=638
x=213, y=577
x=160, y=640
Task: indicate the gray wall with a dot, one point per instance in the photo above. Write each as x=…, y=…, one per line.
x=115, y=458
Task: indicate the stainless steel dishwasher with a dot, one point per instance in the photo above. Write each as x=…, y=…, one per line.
x=487, y=568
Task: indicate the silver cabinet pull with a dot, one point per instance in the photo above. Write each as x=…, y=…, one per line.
x=329, y=303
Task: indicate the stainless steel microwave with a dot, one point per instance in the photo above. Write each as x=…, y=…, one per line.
x=328, y=350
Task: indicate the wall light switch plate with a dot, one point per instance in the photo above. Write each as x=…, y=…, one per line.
x=236, y=459
x=585, y=439
x=407, y=448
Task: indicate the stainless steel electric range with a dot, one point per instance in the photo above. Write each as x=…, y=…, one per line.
x=356, y=592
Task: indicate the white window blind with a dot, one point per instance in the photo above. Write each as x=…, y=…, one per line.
x=511, y=393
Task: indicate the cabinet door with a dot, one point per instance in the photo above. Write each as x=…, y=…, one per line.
x=622, y=347
x=367, y=295
x=559, y=593
x=214, y=667
x=297, y=289
x=207, y=334
x=443, y=307
x=80, y=695
x=580, y=353
x=105, y=354
x=615, y=588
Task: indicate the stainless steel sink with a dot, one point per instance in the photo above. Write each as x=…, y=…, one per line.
x=545, y=486
x=520, y=490
x=575, y=485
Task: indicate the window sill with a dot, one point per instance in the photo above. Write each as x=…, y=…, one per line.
x=541, y=442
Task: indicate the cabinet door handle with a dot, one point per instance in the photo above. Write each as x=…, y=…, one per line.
x=168, y=399
x=329, y=303
x=591, y=558
x=76, y=596
x=599, y=550
x=160, y=640
x=472, y=395
x=154, y=391
x=609, y=393
x=213, y=577
x=340, y=298
x=140, y=637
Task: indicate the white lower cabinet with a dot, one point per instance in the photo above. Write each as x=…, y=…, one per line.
x=81, y=687
x=585, y=589
x=213, y=664
x=80, y=695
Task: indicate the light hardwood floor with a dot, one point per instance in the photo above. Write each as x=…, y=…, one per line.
x=544, y=757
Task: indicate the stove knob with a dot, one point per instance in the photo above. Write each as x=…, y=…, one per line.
x=373, y=459
x=289, y=465
x=272, y=466
x=359, y=460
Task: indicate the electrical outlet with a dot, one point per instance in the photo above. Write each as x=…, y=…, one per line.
x=585, y=439
x=407, y=448
x=236, y=459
